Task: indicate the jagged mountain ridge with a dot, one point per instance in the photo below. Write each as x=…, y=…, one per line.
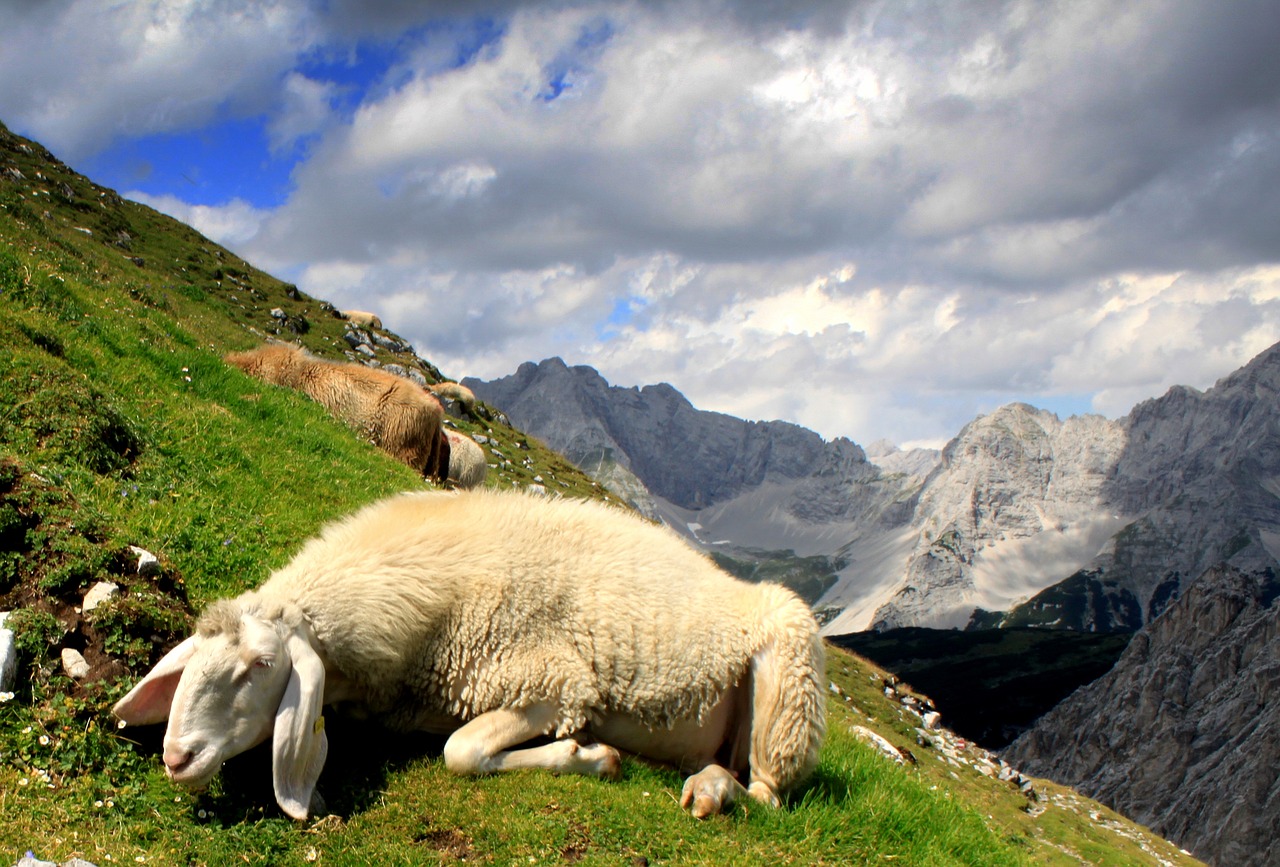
x=1084, y=523
x=1182, y=733
x=739, y=488
x=595, y=425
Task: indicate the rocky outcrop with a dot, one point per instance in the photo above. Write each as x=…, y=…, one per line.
x=1182, y=734
x=1016, y=503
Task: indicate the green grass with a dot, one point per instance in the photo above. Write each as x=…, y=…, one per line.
x=120, y=426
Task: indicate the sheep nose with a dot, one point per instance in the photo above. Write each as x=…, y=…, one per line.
x=176, y=758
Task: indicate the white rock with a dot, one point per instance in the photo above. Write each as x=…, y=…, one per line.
x=931, y=720
x=148, y=564
x=74, y=664
x=879, y=742
x=99, y=593
x=8, y=655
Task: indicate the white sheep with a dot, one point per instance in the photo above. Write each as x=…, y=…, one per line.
x=362, y=317
x=467, y=465
x=501, y=617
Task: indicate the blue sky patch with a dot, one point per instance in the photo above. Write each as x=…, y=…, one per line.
x=210, y=166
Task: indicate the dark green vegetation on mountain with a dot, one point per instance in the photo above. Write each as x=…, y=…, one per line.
x=990, y=684
x=120, y=426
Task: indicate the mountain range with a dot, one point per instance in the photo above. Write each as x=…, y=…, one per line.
x=1022, y=518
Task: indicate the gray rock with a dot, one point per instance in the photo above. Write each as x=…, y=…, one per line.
x=1181, y=735
x=388, y=343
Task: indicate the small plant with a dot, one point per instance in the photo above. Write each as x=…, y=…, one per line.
x=131, y=625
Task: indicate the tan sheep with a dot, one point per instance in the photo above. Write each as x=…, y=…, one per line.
x=458, y=392
x=396, y=415
x=362, y=317
x=467, y=466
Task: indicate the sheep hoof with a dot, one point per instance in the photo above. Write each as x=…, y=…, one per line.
x=764, y=793
x=600, y=760
x=708, y=792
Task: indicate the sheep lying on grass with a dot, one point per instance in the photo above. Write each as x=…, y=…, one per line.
x=467, y=466
x=501, y=617
x=456, y=391
x=362, y=317
x=394, y=413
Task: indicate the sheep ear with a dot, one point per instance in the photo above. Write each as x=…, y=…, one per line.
x=299, y=745
x=149, y=701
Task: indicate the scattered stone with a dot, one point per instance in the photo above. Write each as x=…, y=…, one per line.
x=932, y=719
x=278, y=313
x=879, y=742
x=99, y=593
x=74, y=664
x=536, y=489
x=8, y=655
x=356, y=338
x=387, y=343
x=148, y=564
x=366, y=349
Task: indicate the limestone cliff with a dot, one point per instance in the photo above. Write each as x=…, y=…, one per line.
x=1183, y=734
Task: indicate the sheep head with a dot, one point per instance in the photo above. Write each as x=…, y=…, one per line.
x=245, y=676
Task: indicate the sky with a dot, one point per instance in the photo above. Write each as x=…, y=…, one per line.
x=874, y=219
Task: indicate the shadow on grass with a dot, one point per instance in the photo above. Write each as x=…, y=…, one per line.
x=363, y=756
x=826, y=785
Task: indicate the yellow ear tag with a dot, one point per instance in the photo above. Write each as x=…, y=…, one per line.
x=319, y=726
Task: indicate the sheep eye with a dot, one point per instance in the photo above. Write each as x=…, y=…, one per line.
x=263, y=662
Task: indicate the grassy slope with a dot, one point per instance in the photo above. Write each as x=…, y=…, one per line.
x=119, y=426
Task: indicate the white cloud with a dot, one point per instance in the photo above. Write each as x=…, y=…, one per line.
x=81, y=73
x=874, y=219
x=306, y=110
x=231, y=224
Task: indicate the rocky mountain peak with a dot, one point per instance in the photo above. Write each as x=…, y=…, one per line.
x=690, y=457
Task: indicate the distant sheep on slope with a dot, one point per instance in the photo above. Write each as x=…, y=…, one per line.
x=395, y=414
x=467, y=465
x=499, y=617
x=362, y=317
x=456, y=391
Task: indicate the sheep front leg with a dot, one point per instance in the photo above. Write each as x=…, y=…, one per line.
x=481, y=746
